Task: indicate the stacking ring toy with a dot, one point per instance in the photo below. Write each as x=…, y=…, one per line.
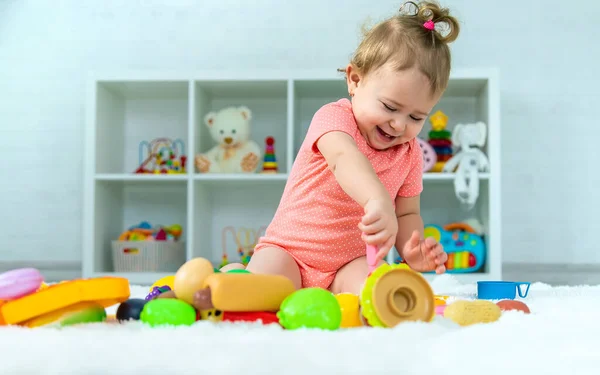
x=393, y=294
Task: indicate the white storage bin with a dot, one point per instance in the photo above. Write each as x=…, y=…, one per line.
x=148, y=256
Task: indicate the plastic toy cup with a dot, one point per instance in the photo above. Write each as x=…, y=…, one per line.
x=501, y=289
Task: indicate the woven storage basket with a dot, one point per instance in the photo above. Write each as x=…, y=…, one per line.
x=148, y=256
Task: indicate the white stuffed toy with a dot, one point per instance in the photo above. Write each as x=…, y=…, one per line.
x=235, y=152
x=470, y=161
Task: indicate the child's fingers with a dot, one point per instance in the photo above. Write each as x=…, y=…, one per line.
x=442, y=257
x=429, y=242
x=374, y=239
x=372, y=228
x=385, y=249
x=415, y=239
x=440, y=269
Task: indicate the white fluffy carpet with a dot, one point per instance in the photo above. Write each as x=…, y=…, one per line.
x=560, y=336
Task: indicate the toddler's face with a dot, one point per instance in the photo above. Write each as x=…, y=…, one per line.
x=390, y=107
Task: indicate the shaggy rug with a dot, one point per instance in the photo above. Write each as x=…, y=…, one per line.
x=558, y=337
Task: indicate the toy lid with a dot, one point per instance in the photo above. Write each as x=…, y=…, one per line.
x=402, y=295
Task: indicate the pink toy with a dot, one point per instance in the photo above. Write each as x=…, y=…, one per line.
x=371, y=257
x=429, y=155
x=20, y=282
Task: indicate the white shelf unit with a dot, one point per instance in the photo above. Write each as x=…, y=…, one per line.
x=126, y=108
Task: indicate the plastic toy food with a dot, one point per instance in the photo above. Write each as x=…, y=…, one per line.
x=157, y=291
x=130, y=309
x=63, y=300
x=20, y=282
x=349, y=306
x=86, y=312
x=393, y=294
x=507, y=305
x=168, y=311
x=465, y=313
x=190, y=277
x=310, y=308
x=247, y=291
x=164, y=281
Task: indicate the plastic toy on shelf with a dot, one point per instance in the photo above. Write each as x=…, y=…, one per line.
x=440, y=139
x=465, y=248
x=468, y=161
x=429, y=155
x=161, y=156
x=244, y=238
x=269, y=160
x=147, y=248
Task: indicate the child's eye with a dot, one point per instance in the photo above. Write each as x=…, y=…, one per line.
x=388, y=107
x=415, y=118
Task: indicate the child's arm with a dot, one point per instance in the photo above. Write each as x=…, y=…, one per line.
x=358, y=179
x=408, y=212
x=351, y=168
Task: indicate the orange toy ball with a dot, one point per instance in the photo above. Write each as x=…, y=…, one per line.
x=508, y=304
x=189, y=278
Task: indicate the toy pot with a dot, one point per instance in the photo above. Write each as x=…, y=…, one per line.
x=501, y=289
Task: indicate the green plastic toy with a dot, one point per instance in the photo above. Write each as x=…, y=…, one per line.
x=310, y=308
x=168, y=311
x=238, y=271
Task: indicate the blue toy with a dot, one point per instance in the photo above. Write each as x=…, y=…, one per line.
x=465, y=249
x=500, y=289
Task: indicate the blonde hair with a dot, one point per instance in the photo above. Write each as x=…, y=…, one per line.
x=404, y=41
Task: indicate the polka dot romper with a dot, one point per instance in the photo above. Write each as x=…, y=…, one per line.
x=316, y=221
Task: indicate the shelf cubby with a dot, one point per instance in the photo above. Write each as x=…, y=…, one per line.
x=130, y=112
x=266, y=100
x=217, y=206
x=120, y=204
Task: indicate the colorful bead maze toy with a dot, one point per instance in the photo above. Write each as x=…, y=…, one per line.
x=440, y=139
x=162, y=156
x=465, y=248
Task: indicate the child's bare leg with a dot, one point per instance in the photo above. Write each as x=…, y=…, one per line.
x=273, y=261
x=351, y=277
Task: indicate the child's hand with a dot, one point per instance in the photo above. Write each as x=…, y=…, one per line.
x=379, y=226
x=426, y=255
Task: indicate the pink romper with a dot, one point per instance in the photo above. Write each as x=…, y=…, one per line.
x=316, y=221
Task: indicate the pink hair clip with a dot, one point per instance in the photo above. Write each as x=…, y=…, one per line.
x=429, y=25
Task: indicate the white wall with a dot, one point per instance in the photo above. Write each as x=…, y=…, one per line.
x=544, y=49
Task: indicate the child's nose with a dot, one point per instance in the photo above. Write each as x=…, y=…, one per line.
x=398, y=125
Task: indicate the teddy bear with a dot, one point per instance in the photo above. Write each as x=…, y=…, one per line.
x=234, y=152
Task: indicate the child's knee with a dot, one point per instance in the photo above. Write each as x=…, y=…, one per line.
x=351, y=277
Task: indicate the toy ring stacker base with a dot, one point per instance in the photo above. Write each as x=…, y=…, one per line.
x=393, y=294
x=69, y=302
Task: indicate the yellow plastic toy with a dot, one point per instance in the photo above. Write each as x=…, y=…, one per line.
x=167, y=280
x=66, y=302
x=350, y=306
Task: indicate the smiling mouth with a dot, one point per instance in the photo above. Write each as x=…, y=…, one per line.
x=386, y=135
